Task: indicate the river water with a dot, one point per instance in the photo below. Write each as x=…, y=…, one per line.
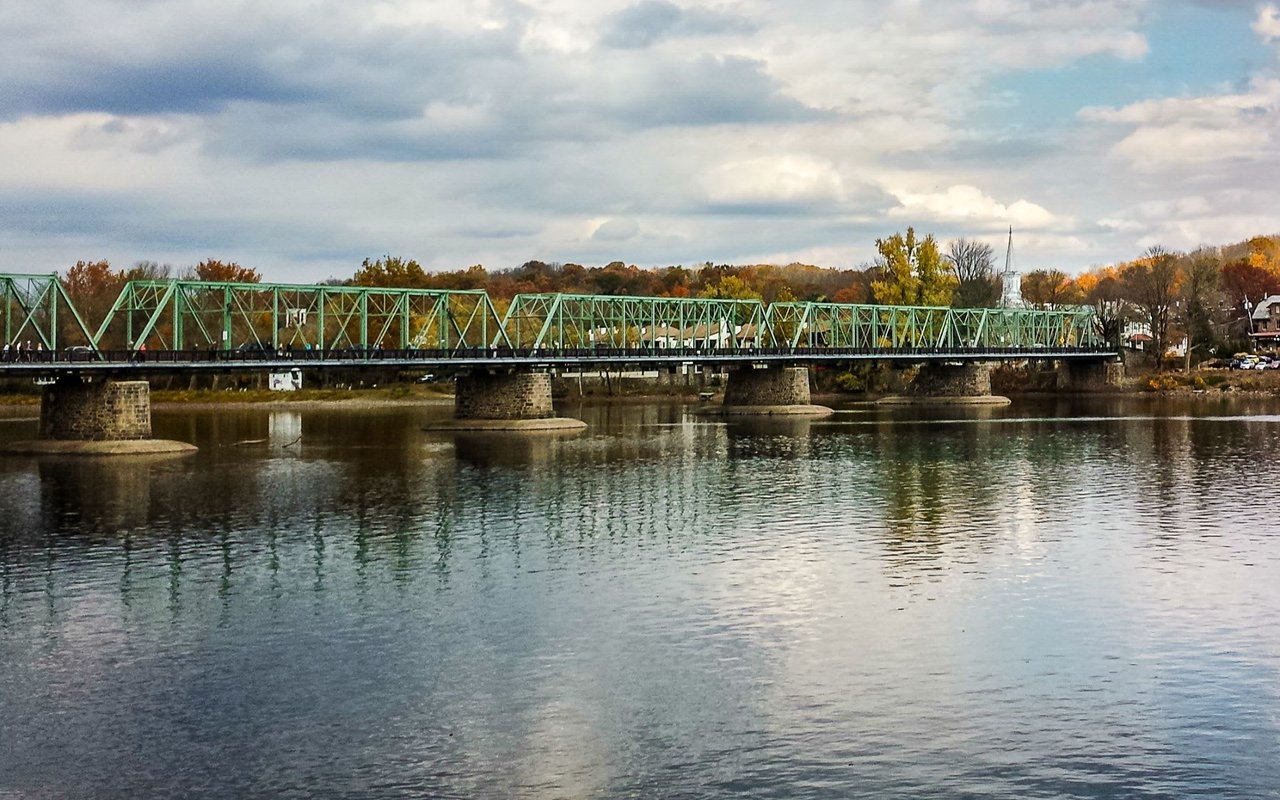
x=1069, y=599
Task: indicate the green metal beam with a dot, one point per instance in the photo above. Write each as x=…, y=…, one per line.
x=180, y=314
x=572, y=321
x=36, y=308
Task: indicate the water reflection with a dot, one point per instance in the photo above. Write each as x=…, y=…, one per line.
x=662, y=605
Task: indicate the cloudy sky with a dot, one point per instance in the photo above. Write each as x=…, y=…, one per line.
x=300, y=136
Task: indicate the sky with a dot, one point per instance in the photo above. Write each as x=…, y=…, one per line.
x=300, y=137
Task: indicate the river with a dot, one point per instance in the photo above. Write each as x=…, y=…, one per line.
x=1075, y=598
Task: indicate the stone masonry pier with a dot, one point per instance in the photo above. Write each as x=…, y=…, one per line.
x=770, y=391
x=102, y=417
x=76, y=410
x=949, y=384
x=1090, y=376
x=506, y=401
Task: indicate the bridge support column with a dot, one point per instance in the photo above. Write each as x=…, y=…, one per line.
x=97, y=417
x=769, y=391
x=506, y=401
x=1090, y=376
x=950, y=384
x=76, y=410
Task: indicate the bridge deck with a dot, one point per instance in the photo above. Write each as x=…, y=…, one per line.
x=123, y=363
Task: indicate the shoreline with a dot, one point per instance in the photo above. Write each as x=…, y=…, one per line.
x=1155, y=386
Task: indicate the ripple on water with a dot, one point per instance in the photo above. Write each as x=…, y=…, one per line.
x=1013, y=605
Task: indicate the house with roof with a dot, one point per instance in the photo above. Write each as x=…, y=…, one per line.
x=1265, y=319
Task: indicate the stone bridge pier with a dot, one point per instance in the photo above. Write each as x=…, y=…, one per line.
x=511, y=400
x=947, y=383
x=769, y=391
x=1090, y=376
x=80, y=416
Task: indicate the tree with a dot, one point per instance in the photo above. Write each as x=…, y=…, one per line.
x=912, y=272
x=1046, y=288
x=391, y=271
x=973, y=263
x=730, y=287
x=1101, y=289
x=1201, y=297
x=223, y=272
x=92, y=287
x=1151, y=283
x=148, y=271
x=1246, y=284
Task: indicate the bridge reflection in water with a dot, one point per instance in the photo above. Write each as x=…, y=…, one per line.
x=658, y=606
x=303, y=499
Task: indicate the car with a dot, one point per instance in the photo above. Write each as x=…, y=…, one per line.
x=80, y=352
x=256, y=350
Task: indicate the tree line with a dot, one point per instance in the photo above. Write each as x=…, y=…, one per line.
x=1204, y=295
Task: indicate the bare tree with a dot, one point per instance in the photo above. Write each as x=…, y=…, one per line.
x=1201, y=296
x=973, y=263
x=1151, y=284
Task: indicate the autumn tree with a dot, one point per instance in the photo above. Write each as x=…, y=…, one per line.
x=1101, y=289
x=392, y=272
x=1047, y=288
x=977, y=285
x=912, y=272
x=730, y=287
x=216, y=271
x=92, y=287
x=1151, y=283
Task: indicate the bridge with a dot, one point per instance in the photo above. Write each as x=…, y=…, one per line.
x=156, y=327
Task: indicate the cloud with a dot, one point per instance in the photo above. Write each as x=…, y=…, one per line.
x=616, y=230
x=773, y=181
x=650, y=21
x=1267, y=24
x=1172, y=134
x=969, y=204
x=499, y=130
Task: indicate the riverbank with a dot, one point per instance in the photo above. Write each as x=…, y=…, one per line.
x=1196, y=383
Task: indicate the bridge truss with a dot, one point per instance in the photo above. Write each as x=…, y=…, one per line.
x=572, y=321
x=36, y=309
x=869, y=327
x=185, y=316
x=178, y=315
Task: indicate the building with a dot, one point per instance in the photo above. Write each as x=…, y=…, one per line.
x=1265, y=320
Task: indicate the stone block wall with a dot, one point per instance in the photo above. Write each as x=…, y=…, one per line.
x=952, y=380
x=1090, y=376
x=517, y=395
x=775, y=386
x=74, y=410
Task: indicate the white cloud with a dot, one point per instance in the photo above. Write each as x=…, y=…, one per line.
x=616, y=230
x=773, y=180
x=969, y=204
x=308, y=134
x=1176, y=133
x=1267, y=24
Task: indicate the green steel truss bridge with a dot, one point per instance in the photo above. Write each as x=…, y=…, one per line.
x=180, y=325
